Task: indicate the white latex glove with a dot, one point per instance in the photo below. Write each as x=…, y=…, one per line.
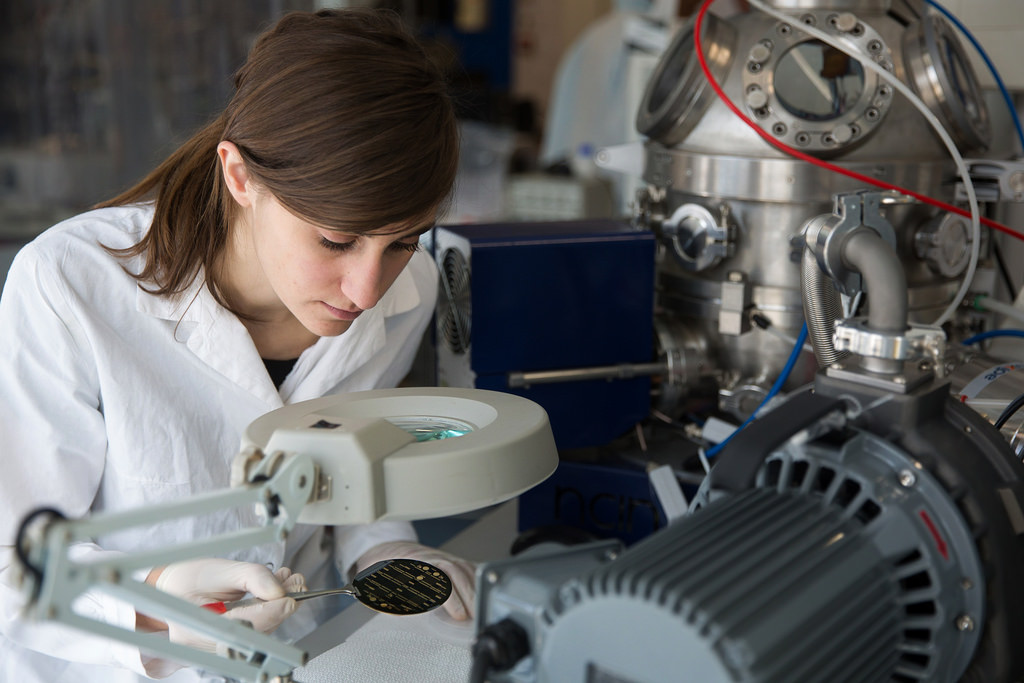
x=209, y=580
x=461, y=572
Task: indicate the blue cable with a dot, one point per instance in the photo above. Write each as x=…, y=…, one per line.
x=989, y=64
x=776, y=388
x=982, y=336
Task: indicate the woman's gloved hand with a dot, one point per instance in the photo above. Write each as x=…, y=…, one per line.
x=214, y=580
x=461, y=572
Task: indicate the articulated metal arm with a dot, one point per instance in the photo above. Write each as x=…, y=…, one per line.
x=54, y=581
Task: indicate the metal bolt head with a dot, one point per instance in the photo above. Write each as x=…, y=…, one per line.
x=846, y=21
x=756, y=98
x=964, y=623
x=907, y=478
x=760, y=53
x=491, y=576
x=842, y=134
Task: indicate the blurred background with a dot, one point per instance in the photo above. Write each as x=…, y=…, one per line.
x=94, y=93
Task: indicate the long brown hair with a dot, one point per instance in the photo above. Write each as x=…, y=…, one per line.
x=339, y=114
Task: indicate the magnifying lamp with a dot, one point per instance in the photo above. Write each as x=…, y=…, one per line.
x=410, y=453
x=406, y=454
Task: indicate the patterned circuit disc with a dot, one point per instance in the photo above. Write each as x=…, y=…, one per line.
x=402, y=586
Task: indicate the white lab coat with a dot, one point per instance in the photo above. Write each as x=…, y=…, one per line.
x=113, y=398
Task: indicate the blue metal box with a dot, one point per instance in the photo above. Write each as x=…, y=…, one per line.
x=528, y=297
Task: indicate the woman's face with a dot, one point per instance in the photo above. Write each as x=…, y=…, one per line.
x=323, y=277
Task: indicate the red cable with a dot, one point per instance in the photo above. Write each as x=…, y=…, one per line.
x=814, y=160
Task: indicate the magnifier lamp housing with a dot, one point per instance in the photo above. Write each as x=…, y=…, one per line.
x=404, y=454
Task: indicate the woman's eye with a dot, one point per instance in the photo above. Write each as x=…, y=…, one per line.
x=401, y=247
x=336, y=246
x=405, y=246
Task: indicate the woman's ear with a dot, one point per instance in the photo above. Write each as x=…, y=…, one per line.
x=236, y=175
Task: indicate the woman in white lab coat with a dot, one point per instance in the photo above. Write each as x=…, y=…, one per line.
x=273, y=258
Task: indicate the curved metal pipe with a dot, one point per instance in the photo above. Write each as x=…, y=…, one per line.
x=821, y=309
x=883, y=279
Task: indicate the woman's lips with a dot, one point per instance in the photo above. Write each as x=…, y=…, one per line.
x=341, y=313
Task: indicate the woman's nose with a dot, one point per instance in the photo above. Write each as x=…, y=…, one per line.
x=361, y=283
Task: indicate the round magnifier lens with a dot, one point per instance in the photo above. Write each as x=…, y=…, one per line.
x=425, y=428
